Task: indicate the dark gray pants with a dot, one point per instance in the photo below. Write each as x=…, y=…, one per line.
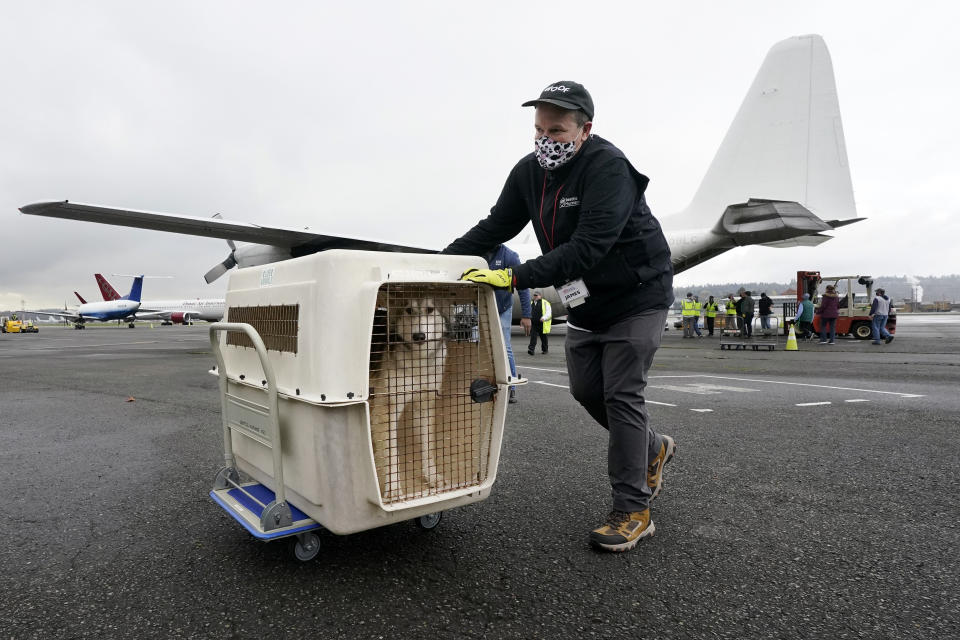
x=608, y=373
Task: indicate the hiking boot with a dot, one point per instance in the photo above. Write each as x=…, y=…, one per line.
x=655, y=469
x=622, y=530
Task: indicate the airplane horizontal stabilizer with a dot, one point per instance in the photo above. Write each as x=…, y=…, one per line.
x=803, y=241
x=842, y=223
x=771, y=223
x=761, y=221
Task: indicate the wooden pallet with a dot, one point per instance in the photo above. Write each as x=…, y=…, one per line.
x=739, y=344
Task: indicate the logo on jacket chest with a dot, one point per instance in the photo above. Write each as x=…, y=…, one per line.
x=572, y=201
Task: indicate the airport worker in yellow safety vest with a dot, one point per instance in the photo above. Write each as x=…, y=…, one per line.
x=688, y=309
x=731, y=308
x=710, y=313
x=541, y=319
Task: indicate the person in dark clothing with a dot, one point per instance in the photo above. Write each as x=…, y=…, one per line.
x=829, y=311
x=746, y=310
x=765, y=305
x=540, y=319
x=608, y=258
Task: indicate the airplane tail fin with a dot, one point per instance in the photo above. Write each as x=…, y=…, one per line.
x=135, y=289
x=106, y=289
x=785, y=143
x=80, y=298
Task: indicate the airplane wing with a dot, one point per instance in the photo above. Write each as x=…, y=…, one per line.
x=299, y=242
x=152, y=314
x=66, y=315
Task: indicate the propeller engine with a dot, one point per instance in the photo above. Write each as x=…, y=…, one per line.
x=223, y=267
x=248, y=255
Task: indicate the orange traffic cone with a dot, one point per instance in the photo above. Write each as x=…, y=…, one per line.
x=791, y=341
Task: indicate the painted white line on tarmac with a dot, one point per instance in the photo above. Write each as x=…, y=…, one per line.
x=721, y=387
x=690, y=388
x=796, y=384
x=702, y=410
x=857, y=400
x=563, y=386
x=811, y=404
x=89, y=346
x=563, y=371
x=550, y=384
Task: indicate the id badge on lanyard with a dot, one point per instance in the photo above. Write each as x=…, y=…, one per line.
x=574, y=292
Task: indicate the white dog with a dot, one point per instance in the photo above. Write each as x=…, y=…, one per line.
x=409, y=378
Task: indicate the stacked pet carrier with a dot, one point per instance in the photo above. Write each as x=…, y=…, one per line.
x=358, y=389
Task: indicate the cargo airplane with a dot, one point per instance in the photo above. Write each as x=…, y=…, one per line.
x=779, y=179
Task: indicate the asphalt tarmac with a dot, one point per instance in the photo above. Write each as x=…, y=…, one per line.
x=814, y=495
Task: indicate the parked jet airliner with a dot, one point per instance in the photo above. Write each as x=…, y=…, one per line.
x=122, y=309
x=170, y=311
x=781, y=166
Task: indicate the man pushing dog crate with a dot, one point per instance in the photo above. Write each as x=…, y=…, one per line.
x=605, y=253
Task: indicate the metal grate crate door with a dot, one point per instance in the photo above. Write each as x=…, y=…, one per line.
x=430, y=342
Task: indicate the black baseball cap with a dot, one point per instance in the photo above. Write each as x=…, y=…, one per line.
x=565, y=94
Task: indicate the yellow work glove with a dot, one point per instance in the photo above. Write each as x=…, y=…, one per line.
x=496, y=278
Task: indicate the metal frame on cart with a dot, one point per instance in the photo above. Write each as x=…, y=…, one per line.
x=277, y=518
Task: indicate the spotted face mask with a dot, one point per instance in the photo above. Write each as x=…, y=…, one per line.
x=552, y=154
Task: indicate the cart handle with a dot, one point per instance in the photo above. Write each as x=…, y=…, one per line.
x=271, y=390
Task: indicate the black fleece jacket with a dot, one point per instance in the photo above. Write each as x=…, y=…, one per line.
x=592, y=222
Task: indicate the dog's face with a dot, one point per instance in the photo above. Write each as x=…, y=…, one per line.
x=419, y=323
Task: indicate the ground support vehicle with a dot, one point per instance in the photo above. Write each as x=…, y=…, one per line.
x=11, y=324
x=317, y=431
x=854, y=319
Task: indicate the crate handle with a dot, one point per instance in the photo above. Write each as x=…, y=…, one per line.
x=279, y=505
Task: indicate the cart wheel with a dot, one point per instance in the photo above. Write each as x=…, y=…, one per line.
x=305, y=546
x=429, y=521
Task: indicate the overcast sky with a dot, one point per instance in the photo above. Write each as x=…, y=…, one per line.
x=400, y=121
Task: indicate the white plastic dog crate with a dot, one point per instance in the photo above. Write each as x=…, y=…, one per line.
x=389, y=396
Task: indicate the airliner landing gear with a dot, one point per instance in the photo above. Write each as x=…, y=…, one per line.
x=131, y=325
